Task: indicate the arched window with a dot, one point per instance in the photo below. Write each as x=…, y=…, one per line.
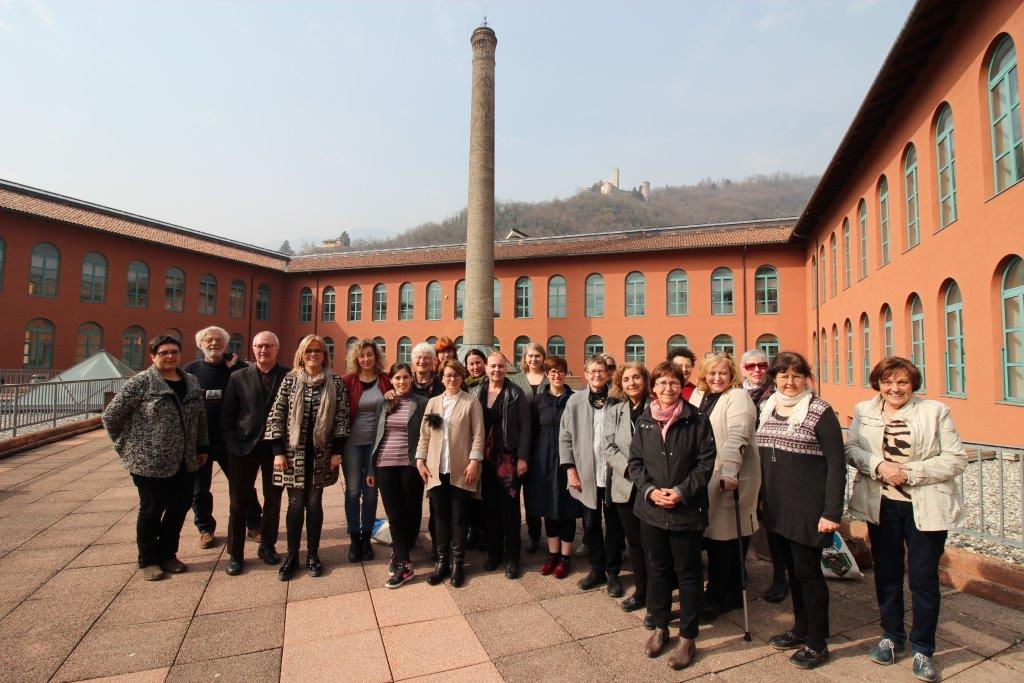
x=824, y=356
x=524, y=298
x=88, y=341
x=496, y=343
x=207, y=295
x=1004, y=116
x=1012, y=297
x=432, y=340
x=833, y=248
x=519, y=349
x=676, y=341
x=766, y=290
x=883, y=219
x=39, y=341
x=677, y=292
x=236, y=344
x=917, y=335
x=956, y=365
x=94, y=278
x=138, y=285
x=355, y=304
x=173, y=332
x=434, y=301
x=379, y=341
x=406, y=301
x=636, y=349
x=817, y=354
x=835, y=354
x=847, y=259
x=349, y=342
x=329, y=343
x=769, y=344
x=306, y=305
x=721, y=292
x=174, y=290
x=556, y=297
x=593, y=346
x=824, y=290
x=327, y=305
x=404, y=350
x=911, y=198
x=636, y=294
x=497, y=299
x=133, y=344
x=814, y=281
x=888, y=338
x=236, y=299
x=862, y=224
x=848, y=329
x=723, y=343
x=263, y=302
x=945, y=161
x=594, y=295
x=380, y=302
x=3, y=261
x=458, y=342
x=460, y=298
x=44, y=271
x=556, y=346
x=865, y=336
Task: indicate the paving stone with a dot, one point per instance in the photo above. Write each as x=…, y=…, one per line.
x=360, y=655
x=412, y=602
x=151, y=676
x=101, y=581
x=118, y=534
x=1012, y=657
x=426, y=647
x=34, y=658
x=257, y=586
x=37, y=560
x=255, y=667
x=67, y=614
x=851, y=659
x=337, y=579
x=588, y=614
x=175, y=596
x=478, y=673
x=89, y=519
x=323, y=619
x=492, y=590
x=214, y=636
x=978, y=608
x=18, y=586
x=776, y=668
x=983, y=637
x=987, y=670
x=124, y=649
x=517, y=628
x=544, y=587
x=54, y=537
x=568, y=662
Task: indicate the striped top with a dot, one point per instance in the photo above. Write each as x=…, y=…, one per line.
x=394, y=446
x=895, y=448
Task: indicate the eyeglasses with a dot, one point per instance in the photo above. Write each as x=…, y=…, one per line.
x=750, y=367
x=665, y=383
x=313, y=351
x=211, y=340
x=167, y=353
x=556, y=371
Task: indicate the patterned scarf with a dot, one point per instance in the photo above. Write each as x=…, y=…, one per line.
x=666, y=416
x=799, y=403
x=324, y=425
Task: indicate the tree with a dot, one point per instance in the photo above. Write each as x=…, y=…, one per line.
x=286, y=249
x=345, y=239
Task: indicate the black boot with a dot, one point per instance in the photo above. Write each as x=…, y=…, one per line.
x=367, y=547
x=314, y=567
x=442, y=569
x=355, y=551
x=289, y=566
x=458, y=557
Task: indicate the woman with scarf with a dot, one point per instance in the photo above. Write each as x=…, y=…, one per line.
x=476, y=366
x=425, y=381
x=307, y=429
x=802, y=458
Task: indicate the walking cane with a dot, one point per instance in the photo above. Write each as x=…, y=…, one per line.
x=743, y=564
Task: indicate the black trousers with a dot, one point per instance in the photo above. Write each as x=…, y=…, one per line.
x=533, y=526
x=202, y=499
x=604, y=548
x=305, y=504
x=562, y=529
x=725, y=583
x=451, y=505
x=809, y=592
x=401, y=489
x=674, y=556
x=241, y=477
x=632, y=527
x=502, y=516
x=163, y=504
x=896, y=529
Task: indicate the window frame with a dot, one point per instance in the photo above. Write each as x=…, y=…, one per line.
x=955, y=361
x=44, y=279
x=434, y=299
x=911, y=198
x=593, y=296
x=720, y=277
x=1015, y=294
x=208, y=294
x=917, y=336
x=635, y=349
x=677, y=293
x=557, y=294
x=95, y=271
x=305, y=305
x=523, y=307
x=379, y=312
x=764, y=276
x=136, y=295
x=263, y=302
x=354, y=304
x=236, y=299
x=944, y=139
x=1006, y=75
x=636, y=295
x=883, y=221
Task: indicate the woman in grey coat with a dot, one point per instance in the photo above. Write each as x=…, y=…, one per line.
x=158, y=425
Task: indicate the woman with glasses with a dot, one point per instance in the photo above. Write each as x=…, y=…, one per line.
x=307, y=428
x=684, y=359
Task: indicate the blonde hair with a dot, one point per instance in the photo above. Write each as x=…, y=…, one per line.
x=711, y=360
x=352, y=357
x=616, y=385
x=306, y=341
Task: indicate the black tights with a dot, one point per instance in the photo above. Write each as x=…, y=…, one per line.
x=304, y=504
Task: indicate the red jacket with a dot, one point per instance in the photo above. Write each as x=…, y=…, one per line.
x=355, y=389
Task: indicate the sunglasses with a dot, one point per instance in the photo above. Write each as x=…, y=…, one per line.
x=755, y=366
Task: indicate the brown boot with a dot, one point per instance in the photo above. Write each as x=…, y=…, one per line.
x=682, y=654
x=656, y=642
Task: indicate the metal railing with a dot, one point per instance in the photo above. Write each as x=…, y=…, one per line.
x=25, y=375
x=33, y=406
x=992, y=490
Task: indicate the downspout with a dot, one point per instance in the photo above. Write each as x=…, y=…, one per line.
x=252, y=305
x=743, y=261
x=316, y=308
x=817, y=317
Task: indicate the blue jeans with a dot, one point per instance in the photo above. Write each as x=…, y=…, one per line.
x=359, y=514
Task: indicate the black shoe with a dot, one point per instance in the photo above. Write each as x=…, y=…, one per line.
x=458, y=575
x=532, y=544
x=367, y=548
x=614, y=586
x=806, y=658
x=288, y=567
x=592, y=580
x=491, y=563
x=786, y=641
x=777, y=592
x=314, y=567
x=268, y=554
x=442, y=570
x=649, y=622
x=633, y=603
x=234, y=567
x=355, y=550
x=512, y=569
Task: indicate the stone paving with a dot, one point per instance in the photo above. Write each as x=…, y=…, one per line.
x=74, y=607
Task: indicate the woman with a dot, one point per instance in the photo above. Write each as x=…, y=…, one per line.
x=444, y=351
x=448, y=458
x=393, y=468
x=734, y=420
x=630, y=386
x=546, y=491
x=425, y=381
x=672, y=504
x=533, y=378
x=801, y=443
x=907, y=452
x=307, y=428
x=476, y=366
x=682, y=357
x=506, y=410
x=366, y=383
x=158, y=425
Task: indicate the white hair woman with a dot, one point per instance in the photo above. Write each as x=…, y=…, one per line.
x=425, y=381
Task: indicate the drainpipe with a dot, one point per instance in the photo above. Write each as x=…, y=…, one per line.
x=817, y=319
x=743, y=261
x=252, y=306
x=316, y=308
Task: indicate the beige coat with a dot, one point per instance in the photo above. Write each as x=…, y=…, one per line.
x=734, y=421
x=465, y=440
x=936, y=457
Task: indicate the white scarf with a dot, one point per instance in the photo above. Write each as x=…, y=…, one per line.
x=799, y=403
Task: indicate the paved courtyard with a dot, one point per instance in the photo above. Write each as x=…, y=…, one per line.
x=74, y=607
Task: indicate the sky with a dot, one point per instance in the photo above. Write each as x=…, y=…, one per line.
x=262, y=121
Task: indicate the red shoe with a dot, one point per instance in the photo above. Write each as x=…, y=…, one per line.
x=549, y=565
x=562, y=568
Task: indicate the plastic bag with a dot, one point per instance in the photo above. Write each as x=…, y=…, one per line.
x=837, y=561
x=382, y=531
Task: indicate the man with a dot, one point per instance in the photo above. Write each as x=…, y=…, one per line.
x=213, y=371
x=248, y=400
x=683, y=358
x=581, y=451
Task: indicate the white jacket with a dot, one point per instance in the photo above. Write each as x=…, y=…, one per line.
x=936, y=457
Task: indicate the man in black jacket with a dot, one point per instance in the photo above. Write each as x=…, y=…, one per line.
x=248, y=400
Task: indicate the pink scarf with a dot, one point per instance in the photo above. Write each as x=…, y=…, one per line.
x=666, y=416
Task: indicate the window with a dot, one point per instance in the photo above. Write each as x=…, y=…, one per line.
x=329, y=343
x=888, y=340
x=910, y=194
x=862, y=223
x=723, y=343
x=207, y=295
x=497, y=299
x=636, y=349
x=766, y=290
x=917, y=335
x=496, y=343
x=434, y=301
x=306, y=305
x=88, y=341
x=835, y=354
x=173, y=332
x=236, y=299
x=848, y=329
x=676, y=341
x=39, y=338
x=327, y=304
x=677, y=293
x=174, y=290
x=769, y=344
x=956, y=367
x=593, y=346
x=519, y=349
x=94, y=278
x=349, y=342
x=594, y=295
x=137, y=295
x=379, y=341
x=721, y=292
x=380, y=302
x=406, y=301
x=1004, y=116
x=404, y=350
x=847, y=260
x=814, y=282
x=1012, y=295
x=883, y=219
x=946, y=162
x=824, y=292
x=636, y=295
x=817, y=354
x=833, y=247
x=556, y=346
x=355, y=304
x=824, y=356
x=133, y=342
x=458, y=342
x=524, y=298
x=556, y=297
x=236, y=344
x=460, y=298
x=263, y=302
x=432, y=340
x=44, y=270
x=3, y=260
x=865, y=336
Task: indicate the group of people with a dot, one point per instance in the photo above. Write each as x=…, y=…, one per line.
x=686, y=457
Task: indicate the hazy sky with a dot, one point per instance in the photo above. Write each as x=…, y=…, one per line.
x=262, y=121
